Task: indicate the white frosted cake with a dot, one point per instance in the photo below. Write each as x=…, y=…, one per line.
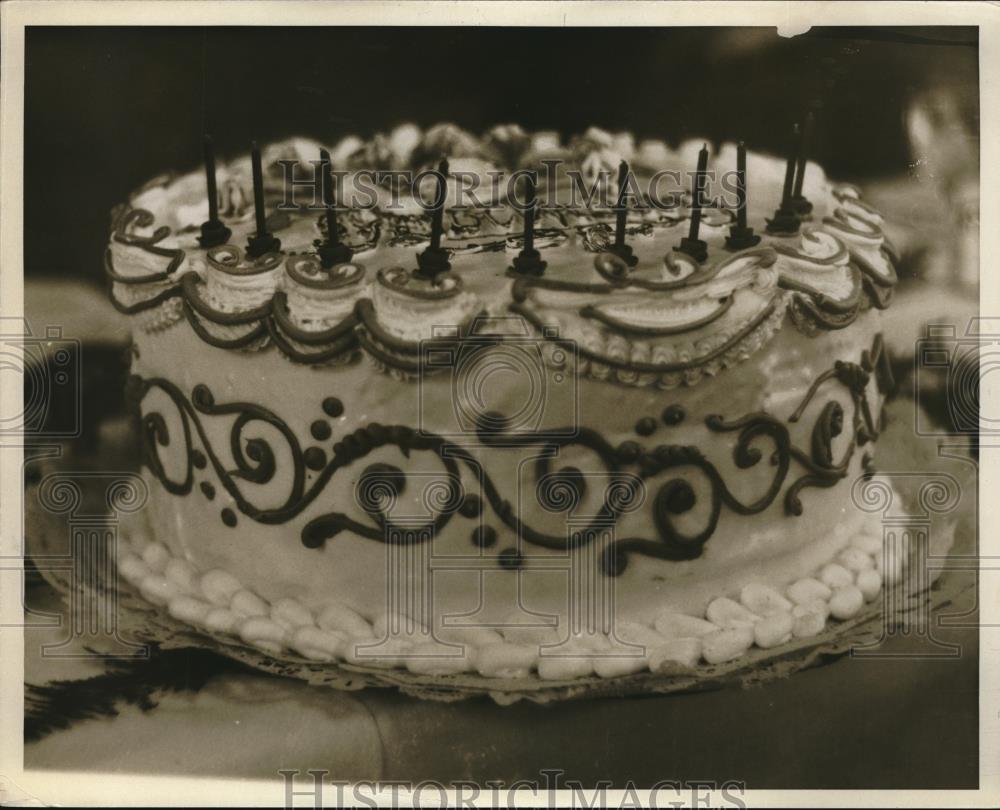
x=603, y=465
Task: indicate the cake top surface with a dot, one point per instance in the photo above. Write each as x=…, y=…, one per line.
x=646, y=314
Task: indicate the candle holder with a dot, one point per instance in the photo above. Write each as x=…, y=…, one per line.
x=529, y=262
x=213, y=232
x=432, y=263
x=697, y=249
x=625, y=253
x=261, y=243
x=329, y=255
x=785, y=221
x=801, y=205
x=741, y=238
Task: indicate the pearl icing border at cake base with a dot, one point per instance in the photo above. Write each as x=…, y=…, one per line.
x=762, y=616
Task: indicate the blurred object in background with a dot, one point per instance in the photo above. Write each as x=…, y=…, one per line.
x=943, y=127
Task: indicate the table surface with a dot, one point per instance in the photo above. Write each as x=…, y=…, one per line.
x=853, y=723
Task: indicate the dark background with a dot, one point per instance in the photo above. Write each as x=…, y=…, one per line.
x=108, y=108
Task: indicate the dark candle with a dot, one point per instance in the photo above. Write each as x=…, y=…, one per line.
x=529, y=213
x=529, y=261
x=741, y=185
x=332, y=251
x=694, y=247
x=261, y=242
x=786, y=190
x=786, y=218
x=800, y=167
x=434, y=260
x=258, y=190
x=801, y=204
x=326, y=180
x=213, y=192
x=213, y=232
x=619, y=248
x=699, y=187
x=621, y=215
x=437, y=223
x=740, y=236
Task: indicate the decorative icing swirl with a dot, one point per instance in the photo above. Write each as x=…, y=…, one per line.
x=865, y=240
x=703, y=318
x=818, y=267
x=308, y=271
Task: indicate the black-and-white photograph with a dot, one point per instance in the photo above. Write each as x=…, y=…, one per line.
x=518, y=404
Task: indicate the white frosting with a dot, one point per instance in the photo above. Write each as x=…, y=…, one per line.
x=759, y=614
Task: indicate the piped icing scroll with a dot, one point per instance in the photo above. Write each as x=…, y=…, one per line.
x=826, y=288
x=860, y=228
x=676, y=327
x=142, y=272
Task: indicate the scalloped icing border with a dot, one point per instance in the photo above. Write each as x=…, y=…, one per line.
x=163, y=299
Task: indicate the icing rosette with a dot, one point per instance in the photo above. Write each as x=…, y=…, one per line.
x=301, y=151
x=506, y=145
x=444, y=140
x=143, y=271
x=652, y=155
x=597, y=152
x=384, y=152
x=716, y=221
x=671, y=329
x=343, y=152
x=235, y=199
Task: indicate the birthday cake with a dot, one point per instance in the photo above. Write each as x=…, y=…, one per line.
x=567, y=428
